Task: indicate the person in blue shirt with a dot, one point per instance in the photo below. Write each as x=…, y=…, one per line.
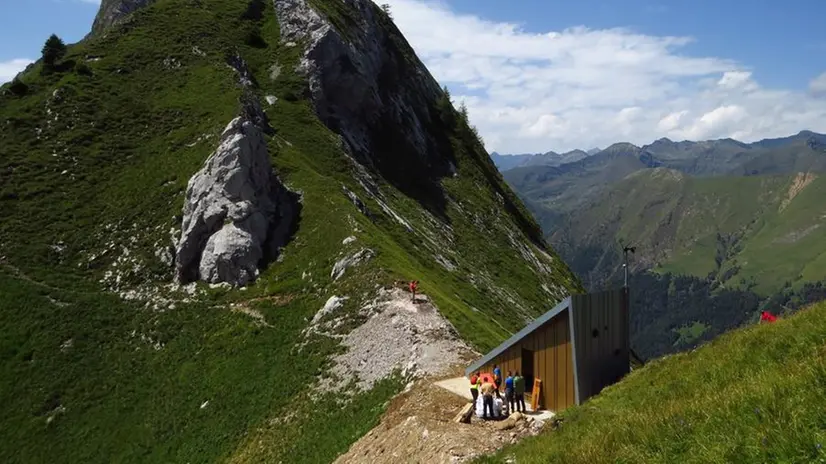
x=509, y=392
x=497, y=377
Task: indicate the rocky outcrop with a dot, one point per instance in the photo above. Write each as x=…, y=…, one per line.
x=367, y=84
x=236, y=214
x=114, y=11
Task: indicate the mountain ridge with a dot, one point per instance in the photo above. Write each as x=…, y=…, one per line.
x=728, y=154
x=106, y=355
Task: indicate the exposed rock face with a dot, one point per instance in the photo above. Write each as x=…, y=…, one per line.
x=114, y=11
x=236, y=214
x=367, y=84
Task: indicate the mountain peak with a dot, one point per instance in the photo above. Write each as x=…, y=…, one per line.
x=622, y=146
x=112, y=12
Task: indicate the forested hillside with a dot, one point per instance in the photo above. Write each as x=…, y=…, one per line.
x=721, y=229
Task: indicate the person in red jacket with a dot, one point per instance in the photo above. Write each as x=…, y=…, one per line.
x=767, y=317
x=414, y=285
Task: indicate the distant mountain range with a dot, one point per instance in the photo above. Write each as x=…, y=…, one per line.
x=719, y=206
x=722, y=229
x=505, y=162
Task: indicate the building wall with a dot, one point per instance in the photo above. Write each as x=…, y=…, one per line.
x=601, y=336
x=552, y=362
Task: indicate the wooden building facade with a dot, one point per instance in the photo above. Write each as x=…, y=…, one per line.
x=576, y=349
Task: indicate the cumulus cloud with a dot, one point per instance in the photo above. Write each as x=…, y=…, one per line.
x=581, y=87
x=9, y=69
x=818, y=85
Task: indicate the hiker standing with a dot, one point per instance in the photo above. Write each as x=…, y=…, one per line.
x=414, y=285
x=487, y=399
x=509, y=392
x=519, y=392
x=497, y=377
x=475, y=381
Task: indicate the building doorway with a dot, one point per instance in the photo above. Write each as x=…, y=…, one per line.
x=527, y=367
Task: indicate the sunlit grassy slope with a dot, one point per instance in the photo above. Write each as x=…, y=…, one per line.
x=93, y=166
x=753, y=395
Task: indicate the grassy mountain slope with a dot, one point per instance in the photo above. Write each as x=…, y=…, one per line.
x=748, y=396
x=759, y=231
x=102, y=359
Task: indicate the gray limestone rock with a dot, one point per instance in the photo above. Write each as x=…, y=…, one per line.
x=236, y=213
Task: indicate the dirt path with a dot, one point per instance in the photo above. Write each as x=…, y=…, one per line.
x=418, y=427
x=17, y=273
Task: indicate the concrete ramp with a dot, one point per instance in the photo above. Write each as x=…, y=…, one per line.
x=457, y=385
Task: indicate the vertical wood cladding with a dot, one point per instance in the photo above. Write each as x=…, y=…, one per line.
x=550, y=345
x=601, y=337
x=598, y=350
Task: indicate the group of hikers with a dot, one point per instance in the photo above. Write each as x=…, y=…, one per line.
x=489, y=387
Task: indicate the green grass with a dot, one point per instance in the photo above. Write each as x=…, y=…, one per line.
x=690, y=333
x=753, y=395
x=109, y=174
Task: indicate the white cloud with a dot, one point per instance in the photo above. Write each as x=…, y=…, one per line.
x=818, y=85
x=9, y=69
x=733, y=80
x=580, y=87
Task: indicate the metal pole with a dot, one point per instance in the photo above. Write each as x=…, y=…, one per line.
x=625, y=266
x=625, y=251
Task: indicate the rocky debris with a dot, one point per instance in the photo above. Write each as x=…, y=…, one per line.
x=542, y=265
x=237, y=214
x=419, y=427
x=275, y=71
x=271, y=99
x=171, y=63
x=389, y=211
x=800, y=182
x=445, y=263
x=153, y=342
x=332, y=304
x=67, y=345
x=52, y=415
x=58, y=303
x=245, y=78
x=348, y=240
x=116, y=11
x=398, y=336
x=356, y=201
x=365, y=254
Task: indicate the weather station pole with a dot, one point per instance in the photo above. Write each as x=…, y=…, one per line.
x=625, y=251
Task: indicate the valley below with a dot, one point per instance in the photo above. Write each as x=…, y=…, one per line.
x=722, y=230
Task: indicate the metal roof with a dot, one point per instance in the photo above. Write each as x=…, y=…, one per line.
x=565, y=304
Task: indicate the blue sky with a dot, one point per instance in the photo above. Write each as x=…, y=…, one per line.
x=783, y=40
x=25, y=25
x=557, y=75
